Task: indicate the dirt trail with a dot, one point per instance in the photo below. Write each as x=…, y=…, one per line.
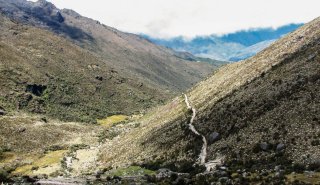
x=203, y=154
x=61, y=181
x=210, y=165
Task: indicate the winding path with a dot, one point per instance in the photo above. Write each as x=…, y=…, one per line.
x=203, y=154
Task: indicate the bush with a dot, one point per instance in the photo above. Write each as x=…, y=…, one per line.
x=76, y=147
x=4, y=176
x=54, y=148
x=108, y=134
x=297, y=167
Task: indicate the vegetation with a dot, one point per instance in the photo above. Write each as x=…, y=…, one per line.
x=109, y=121
x=77, y=76
x=51, y=159
x=131, y=171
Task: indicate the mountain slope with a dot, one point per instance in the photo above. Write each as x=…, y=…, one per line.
x=127, y=53
x=265, y=109
x=43, y=73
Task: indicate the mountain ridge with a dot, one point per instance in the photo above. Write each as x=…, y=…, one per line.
x=226, y=47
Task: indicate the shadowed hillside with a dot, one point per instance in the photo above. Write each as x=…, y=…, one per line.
x=104, y=72
x=43, y=73
x=127, y=53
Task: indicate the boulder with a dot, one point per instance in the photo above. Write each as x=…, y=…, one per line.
x=280, y=147
x=224, y=180
x=22, y=129
x=163, y=173
x=264, y=146
x=100, y=78
x=2, y=112
x=213, y=137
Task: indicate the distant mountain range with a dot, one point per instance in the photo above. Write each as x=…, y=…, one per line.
x=230, y=47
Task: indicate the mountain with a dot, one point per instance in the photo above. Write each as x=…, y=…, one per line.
x=230, y=47
x=250, y=50
x=104, y=69
x=43, y=73
x=189, y=57
x=259, y=116
x=254, y=36
x=251, y=122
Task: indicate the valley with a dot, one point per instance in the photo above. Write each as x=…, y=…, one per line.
x=84, y=103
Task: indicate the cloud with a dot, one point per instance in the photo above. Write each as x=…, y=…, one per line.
x=168, y=18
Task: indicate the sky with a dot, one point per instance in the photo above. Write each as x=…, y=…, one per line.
x=189, y=18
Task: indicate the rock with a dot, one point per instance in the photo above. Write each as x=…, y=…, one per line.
x=22, y=129
x=35, y=168
x=2, y=112
x=213, y=137
x=163, y=173
x=220, y=173
x=264, y=146
x=264, y=173
x=245, y=174
x=117, y=178
x=279, y=174
x=59, y=17
x=100, y=78
x=28, y=179
x=277, y=168
x=223, y=168
x=223, y=179
x=151, y=178
x=44, y=119
x=98, y=174
x=280, y=147
x=35, y=89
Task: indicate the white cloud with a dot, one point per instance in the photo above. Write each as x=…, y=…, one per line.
x=168, y=18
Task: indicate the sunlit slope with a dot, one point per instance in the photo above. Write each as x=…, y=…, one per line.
x=238, y=102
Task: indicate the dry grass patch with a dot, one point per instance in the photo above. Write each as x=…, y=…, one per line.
x=43, y=165
x=111, y=120
x=312, y=178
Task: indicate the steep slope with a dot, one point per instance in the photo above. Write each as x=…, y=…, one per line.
x=128, y=53
x=44, y=73
x=264, y=112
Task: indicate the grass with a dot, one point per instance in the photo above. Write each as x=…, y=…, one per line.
x=306, y=178
x=50, y=159
x=131, y=171
x=7, y=157
x=110, y=121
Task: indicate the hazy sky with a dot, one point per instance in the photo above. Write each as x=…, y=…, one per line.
x=168, y=18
